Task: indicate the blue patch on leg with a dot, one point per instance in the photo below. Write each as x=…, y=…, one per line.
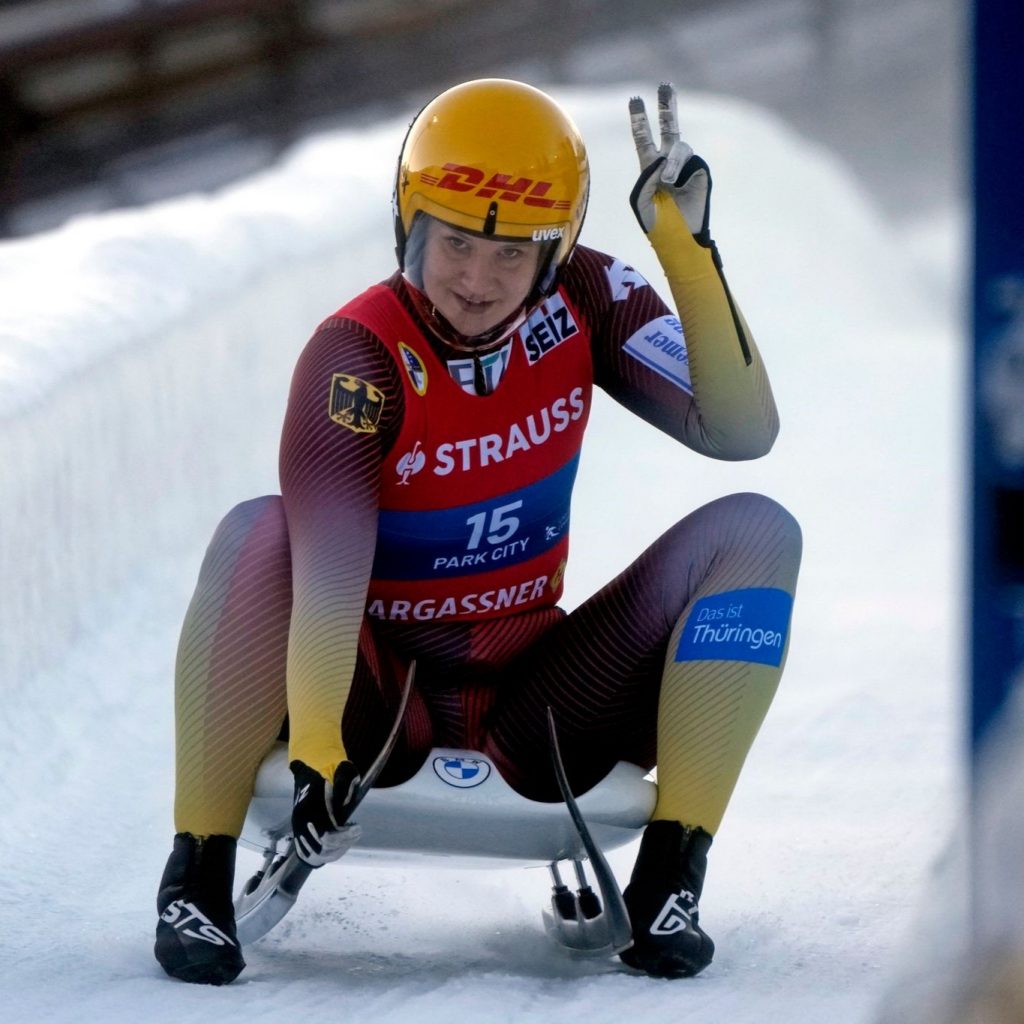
x=738, y=625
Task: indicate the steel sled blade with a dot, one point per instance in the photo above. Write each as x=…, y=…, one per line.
x=582, y=922
x=271, y=892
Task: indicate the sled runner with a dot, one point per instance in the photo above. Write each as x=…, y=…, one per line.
x=458, y=806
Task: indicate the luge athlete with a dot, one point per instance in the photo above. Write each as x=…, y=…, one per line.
x=427, y=460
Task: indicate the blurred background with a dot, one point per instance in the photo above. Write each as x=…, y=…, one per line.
x=113, y=103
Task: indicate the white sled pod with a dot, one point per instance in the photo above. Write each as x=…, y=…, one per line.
x=458, y=806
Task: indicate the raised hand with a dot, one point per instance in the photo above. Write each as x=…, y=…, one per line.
x=669, y=167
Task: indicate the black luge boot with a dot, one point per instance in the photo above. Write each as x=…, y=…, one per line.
x=195, y=936
x=662, y=900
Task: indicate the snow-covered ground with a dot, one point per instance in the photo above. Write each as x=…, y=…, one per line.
x=144, y=362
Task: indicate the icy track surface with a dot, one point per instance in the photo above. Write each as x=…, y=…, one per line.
x=144, y=362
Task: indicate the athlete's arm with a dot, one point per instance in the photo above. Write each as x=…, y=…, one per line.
x=344, y=404
x=725, y=409
x=692, y=383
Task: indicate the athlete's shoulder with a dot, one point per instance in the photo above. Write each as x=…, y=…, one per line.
x=593, y=277
x=344, y=366
x=586, y=263
x=609, y=289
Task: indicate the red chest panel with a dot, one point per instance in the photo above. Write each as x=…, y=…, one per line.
x=475, y=493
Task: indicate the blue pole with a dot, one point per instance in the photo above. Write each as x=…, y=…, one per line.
x=997, y=382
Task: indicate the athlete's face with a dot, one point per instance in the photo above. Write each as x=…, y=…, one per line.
x=474, y=282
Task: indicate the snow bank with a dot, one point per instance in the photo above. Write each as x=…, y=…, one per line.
x=144, y=365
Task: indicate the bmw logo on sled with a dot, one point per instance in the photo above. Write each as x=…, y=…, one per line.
x=463, y=772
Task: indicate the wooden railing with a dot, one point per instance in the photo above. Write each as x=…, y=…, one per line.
x=82, y=81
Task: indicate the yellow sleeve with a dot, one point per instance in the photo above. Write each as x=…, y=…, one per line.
x=736, y=414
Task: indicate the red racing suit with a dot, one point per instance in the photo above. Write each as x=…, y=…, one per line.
x=419, y=505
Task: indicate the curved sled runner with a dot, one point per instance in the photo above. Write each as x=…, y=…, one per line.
x=458, y=806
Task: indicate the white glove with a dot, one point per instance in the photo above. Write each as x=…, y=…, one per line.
x=670, y=168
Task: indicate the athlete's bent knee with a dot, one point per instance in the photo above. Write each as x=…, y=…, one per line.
x=258, y=523
x=266, y=511
x=761, y=508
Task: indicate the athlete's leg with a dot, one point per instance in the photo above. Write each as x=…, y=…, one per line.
x=623, y=684
x=230, y=672
x=724, y=661
x=229, y=702
x=372, y=705
x=700, y=624
x=230, y=705
x=230, y=676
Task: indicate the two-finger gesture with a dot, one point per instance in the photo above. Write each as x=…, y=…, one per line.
x=670, y=168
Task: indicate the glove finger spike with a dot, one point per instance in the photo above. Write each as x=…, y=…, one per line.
x=641, y=128
x=668, y=117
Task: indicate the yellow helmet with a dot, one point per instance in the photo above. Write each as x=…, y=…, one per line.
x=498, y=158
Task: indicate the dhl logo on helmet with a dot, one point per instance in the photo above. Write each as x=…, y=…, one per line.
x=460, y=178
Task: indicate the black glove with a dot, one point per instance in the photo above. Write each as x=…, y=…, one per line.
x=320, y=811
x=671, y=168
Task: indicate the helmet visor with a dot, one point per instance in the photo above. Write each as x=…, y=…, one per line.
x=480, y=284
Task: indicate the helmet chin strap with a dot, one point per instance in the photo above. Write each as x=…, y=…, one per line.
x=480, y=344
x=479, y=377
x=470, y=344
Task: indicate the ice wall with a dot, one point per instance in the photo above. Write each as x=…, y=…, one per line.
x=144, y=366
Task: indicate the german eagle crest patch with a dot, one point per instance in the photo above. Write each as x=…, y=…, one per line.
x=355, y=403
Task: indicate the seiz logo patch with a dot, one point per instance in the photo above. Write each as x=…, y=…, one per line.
x=661, y=346
x=738, y=625
x=461, y=178
x=546, y=327
x=414, y=367
x=355, y=404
